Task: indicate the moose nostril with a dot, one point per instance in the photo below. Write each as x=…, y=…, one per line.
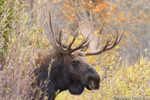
x=94, y=84
x=94, y=81
x=94, y=77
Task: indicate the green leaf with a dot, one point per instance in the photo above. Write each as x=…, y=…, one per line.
x=117, y=47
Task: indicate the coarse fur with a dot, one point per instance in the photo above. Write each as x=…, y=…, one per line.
x=69, y=69
x=70, y=72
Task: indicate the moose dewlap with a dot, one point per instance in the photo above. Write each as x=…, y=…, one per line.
x=69, y=69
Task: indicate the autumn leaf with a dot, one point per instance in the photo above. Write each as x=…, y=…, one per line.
x=140, y=12
x=104, y=15
x=90, y=5
x=70, y=17
x=100, y=7
x=122, y=18
x=129, y=14
x=55, y=1
x=113, y=8
x=145, y=16
x=135, y=38
x=65, y=5
x=108, y=19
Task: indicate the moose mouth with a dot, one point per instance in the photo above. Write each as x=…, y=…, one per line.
x=91, y=85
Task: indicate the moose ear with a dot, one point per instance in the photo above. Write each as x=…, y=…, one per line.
x=76, y=88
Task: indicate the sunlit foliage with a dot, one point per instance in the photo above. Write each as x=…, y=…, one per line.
x=119, y=82
x=119, y=79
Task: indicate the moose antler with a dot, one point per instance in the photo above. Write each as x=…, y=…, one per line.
x=85, y=25
x=57, y=44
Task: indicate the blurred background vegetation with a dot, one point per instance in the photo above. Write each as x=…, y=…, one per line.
x=124, y=70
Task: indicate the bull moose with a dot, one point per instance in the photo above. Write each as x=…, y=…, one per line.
x=69, y=69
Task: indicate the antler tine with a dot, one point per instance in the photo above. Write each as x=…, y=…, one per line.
x=50, y=22
x=100, y=50
x=120, y=36
x=99, y=33
x=55, y=45
x=107, y=45
x=88, y=41
x=91, y=20
x=82, y=43
x=85, y=26
x=54, y=42
x=51, y=41
x=84, y=14
x=60, y=43
x=74, y=38
x=87, y=30
x=50, y=33
x=78, y=14
x=117, y=40
x=101, y=28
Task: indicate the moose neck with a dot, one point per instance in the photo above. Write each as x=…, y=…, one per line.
x=59, y=74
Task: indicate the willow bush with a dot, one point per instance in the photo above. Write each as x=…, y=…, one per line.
x=19, y=38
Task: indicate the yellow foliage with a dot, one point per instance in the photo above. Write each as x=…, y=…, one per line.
x=116, y=81
x=125, y=81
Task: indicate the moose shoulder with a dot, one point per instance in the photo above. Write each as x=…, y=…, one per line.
x=69, y=67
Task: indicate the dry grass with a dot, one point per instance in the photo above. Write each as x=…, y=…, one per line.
x=17, y=40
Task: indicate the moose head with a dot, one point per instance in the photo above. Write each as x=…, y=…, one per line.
x=69, y=68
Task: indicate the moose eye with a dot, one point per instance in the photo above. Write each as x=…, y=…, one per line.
x=75, y=62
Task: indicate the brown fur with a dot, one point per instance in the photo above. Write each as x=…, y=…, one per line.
x=70, y=72
x=44, y=57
